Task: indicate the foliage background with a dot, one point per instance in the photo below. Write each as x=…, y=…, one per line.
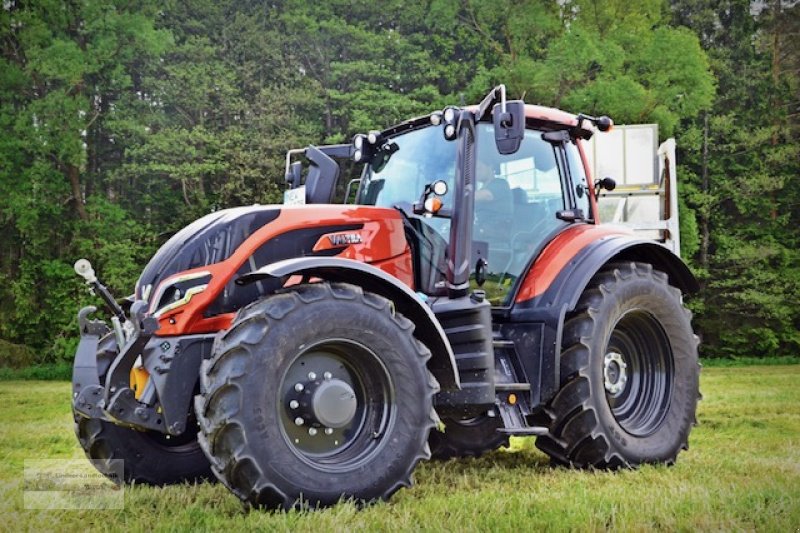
x=122, y=121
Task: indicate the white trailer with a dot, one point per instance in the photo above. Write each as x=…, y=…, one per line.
x=646, y=196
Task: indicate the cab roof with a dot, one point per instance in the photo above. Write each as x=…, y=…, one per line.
x=535, y=115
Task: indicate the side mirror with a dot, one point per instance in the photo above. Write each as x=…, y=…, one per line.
x=294, y=175
x=509, y=126
x=608, y=184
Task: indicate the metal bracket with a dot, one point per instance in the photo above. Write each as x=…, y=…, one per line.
x=89, y=402
x=84, y=369
x=89, y=327
x=124, y=408
x=174, y=364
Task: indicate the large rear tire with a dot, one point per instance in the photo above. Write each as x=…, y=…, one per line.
x=317, y=393
x=629, y=374
x=467, y=438
x=148, y=457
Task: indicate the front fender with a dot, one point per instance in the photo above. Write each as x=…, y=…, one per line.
x=372, y=279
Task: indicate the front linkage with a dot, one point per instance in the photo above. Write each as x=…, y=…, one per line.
x=102, y=387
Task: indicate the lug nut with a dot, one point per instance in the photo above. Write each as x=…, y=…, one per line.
x=327, y=375
x=328, y=431
x=299, y=421
x=299, y=387
x=312, y=376
x=294, y=404
x=312, y=431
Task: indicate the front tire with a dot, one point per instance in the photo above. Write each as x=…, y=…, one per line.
x=629, y=374
x=149, y=457
x=315, y=394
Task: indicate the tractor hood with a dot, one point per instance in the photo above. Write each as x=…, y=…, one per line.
x=208, y=240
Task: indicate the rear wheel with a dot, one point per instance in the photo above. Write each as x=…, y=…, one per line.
x=467, y=438
x=148, y=457
x=316, y=394
x=629, y=373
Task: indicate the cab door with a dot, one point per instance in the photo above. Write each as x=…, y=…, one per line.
x=517, y=204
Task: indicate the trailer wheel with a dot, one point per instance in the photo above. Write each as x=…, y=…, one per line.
x=316, y=394
x=148, y=457
x=629, y=374
x=467, y=438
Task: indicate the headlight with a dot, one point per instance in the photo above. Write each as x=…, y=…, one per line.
x=178, y=291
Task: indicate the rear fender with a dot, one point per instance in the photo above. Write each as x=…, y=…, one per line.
x=372, y=279
x=568, y=286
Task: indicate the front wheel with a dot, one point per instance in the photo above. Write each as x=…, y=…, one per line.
x=148, y=457
x=629, y=373
x=316, y=394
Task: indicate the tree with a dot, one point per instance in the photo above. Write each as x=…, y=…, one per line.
x=739, y=159
x=65, y=67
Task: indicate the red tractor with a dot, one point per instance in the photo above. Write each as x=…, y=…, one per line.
x=307, y=353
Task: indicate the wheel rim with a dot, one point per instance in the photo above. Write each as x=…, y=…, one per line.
x=336, y=401
x=638, y=373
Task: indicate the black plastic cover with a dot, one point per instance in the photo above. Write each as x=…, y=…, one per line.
x=206, y=241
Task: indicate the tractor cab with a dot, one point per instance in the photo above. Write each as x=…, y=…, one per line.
x=511, y=198
x=517, y=198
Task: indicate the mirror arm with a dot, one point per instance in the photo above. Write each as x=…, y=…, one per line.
x=498, y=94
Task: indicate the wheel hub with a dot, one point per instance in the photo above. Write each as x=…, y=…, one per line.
x=615, y=373
x=322, y=400
x=334, y=403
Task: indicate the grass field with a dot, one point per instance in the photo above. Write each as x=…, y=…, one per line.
x=741, y=473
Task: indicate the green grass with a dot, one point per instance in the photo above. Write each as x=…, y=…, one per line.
x=741, y=473
x=750, y=361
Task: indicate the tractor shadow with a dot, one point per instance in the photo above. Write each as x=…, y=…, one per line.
x=521, y=455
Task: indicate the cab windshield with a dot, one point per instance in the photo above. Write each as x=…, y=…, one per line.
x=421, y=157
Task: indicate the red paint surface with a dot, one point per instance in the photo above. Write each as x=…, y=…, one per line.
x=558, y=253
x=384, y=245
